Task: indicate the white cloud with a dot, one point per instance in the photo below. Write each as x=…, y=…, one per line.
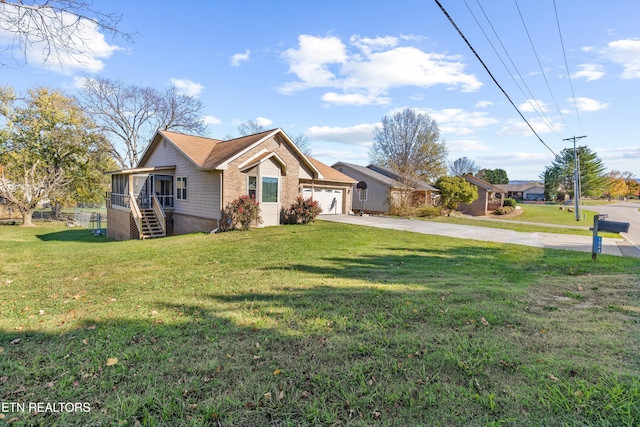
x=371, y=69
x=331, y=156
x=263, y=121
x=357, y=135
x=211, y=120
x=466, y=145
x=187, y=87
x=90, y=44
x=588, y=104
x=312, y=60
x=79, y=82
x=619, y=153
x=460, y=122
x=519, y=127
x=483, y=104
x=589, y=72
x=355, y=98
x=533, y=105
x=368, y=45
x=240, y=57
x=627, y=54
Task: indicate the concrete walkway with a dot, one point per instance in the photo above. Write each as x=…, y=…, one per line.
x=619, y=247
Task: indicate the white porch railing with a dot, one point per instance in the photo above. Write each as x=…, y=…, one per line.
x=157, y=209
x=135, y=211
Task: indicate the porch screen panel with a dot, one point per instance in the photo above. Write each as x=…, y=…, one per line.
x=139, y=182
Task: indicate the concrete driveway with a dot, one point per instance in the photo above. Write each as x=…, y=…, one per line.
x=619, y=247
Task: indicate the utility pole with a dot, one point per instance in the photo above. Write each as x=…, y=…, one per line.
x=576, y=176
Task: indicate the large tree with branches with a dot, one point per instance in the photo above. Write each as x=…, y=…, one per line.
x=462, y=166
x=60, y=30
x=409, y=144
x=129, y=115
x=49, y=149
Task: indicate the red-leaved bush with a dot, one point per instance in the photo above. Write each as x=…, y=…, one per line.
x=240, y=213
x=303, y=211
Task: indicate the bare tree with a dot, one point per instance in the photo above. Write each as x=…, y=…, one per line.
x=409, y=144
x=58, y=27
x=250, y=127
x=130, y=115
x=463, y=166
x=302, y=142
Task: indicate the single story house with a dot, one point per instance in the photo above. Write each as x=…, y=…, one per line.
x=490, y=197
x=382, y=185
x=526, y=191
x=183, y=183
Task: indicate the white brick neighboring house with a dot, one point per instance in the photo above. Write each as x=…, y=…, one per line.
x=183, y=182
x=527, y=191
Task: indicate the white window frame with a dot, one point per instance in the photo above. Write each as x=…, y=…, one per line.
x=366, y=194
x=277, y=178
x=182, y=190
x=255, y=189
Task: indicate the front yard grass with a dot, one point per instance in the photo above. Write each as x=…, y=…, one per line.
x=552, y=214
x=327, y=324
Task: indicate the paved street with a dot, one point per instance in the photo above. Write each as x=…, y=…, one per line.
x=623, y=212
x=619, y=247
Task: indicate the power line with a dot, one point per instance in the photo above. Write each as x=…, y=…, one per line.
x=491, y=75
x=544, y=75
x=566, y=65
x=530, y=97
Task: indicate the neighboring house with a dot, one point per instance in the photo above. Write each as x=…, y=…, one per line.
x=382, y=185
x=183, y=183
x=490, y=197
x=526, y=191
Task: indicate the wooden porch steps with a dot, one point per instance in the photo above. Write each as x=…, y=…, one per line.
x=151, y=228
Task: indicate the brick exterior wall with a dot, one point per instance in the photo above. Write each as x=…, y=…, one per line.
x=478, y=207
x=184, y=224
x=235, y=181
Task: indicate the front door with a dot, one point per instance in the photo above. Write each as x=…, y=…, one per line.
x=270, y=200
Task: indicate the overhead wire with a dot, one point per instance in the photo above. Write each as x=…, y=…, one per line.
x=544, y=75
x=566, y=66
x=531, y=99
x=491, y=75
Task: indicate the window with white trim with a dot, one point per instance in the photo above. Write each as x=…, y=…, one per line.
x=252, y=186
x=269, y=189
x=181, y=188
x=362, y=194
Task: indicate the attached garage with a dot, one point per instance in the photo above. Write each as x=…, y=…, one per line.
x=331, y=200
x=332, y=189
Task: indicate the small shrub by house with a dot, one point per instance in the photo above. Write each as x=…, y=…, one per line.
x=303, y=211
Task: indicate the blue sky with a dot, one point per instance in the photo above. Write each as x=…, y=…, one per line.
x=332, y=69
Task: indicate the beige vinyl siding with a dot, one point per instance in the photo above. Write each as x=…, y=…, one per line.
x=270, y=212
x=203, y=187
x=304, y=172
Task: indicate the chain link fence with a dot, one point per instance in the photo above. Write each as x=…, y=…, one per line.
x=92, y=217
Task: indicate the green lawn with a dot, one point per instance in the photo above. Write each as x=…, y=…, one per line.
x=552, y=214
x=538, y=217
x=319, y=325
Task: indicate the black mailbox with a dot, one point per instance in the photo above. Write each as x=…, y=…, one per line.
x=613, y=226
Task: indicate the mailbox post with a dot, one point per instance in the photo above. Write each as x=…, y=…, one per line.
x=600, y=224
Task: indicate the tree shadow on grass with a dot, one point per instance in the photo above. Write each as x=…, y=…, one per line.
x=77, y=235
x=323, y=355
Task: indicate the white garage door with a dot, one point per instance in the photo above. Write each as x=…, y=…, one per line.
x=330, y=200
